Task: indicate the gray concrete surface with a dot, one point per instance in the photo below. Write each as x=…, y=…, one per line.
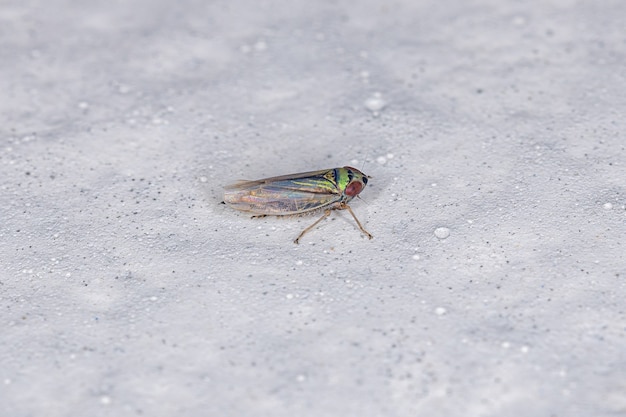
x=494, y=135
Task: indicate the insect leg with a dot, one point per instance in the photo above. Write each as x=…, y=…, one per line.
x=326, y=214
x=344, y=206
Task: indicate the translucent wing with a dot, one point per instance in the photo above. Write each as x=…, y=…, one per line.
x=284, y=195
x=311, y=175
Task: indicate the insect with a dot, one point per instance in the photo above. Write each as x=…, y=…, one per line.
x=295, y=194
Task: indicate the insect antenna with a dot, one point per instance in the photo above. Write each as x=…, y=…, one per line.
x=364, y=160
x=362, y=199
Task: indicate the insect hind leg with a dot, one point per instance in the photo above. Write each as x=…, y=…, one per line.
x=326, y=214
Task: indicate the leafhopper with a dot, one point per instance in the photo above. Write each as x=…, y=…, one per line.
x=296, y=194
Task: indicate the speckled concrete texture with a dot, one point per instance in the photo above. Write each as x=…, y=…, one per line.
x=494, y=135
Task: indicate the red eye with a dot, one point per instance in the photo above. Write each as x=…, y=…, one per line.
x=353, y=188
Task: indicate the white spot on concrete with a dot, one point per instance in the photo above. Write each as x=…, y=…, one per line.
x=442, y=232
x=375, y=103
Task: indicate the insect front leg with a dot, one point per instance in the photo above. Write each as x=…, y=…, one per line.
x=344, y=206
x=326, y=214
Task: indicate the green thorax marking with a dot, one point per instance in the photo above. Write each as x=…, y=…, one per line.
x=343, y=178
